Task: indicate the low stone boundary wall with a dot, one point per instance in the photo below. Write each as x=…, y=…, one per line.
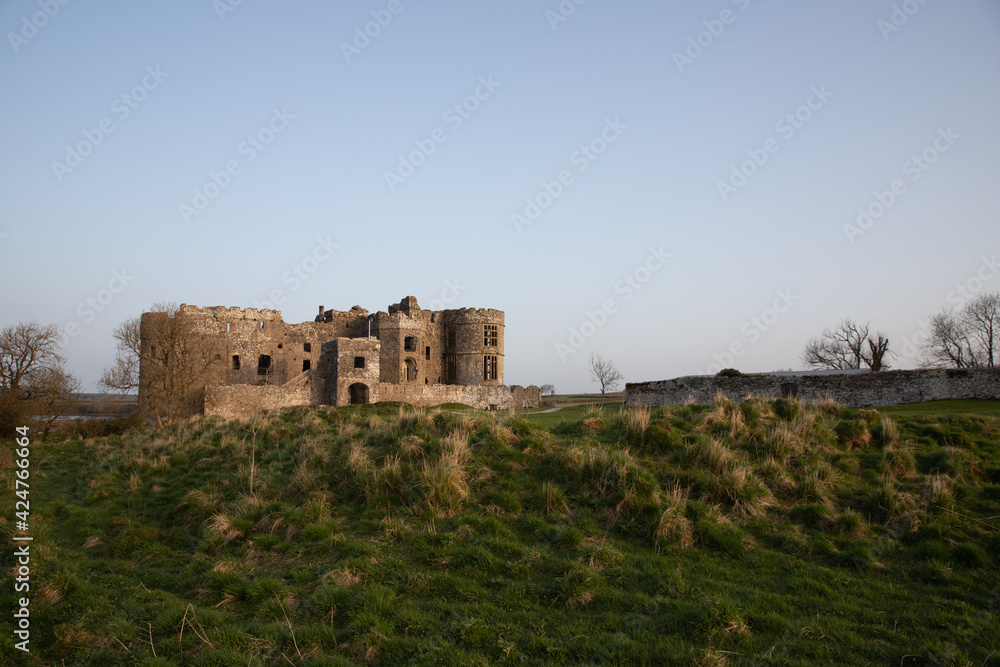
x=852, y=390
x=484, y=398
x=246, y=400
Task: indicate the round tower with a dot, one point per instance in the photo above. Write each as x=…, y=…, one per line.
x=474, y=346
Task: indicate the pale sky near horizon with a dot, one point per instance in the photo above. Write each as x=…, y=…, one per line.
x=655, y=182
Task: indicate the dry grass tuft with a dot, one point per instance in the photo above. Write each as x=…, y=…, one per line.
x=554, y=499
x=674, y=527
x=221, y=528
x=411, y=446
x=938, y=491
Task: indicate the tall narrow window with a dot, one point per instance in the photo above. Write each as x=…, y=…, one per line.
x=427, y=353
x=451, y=370
x=306, y=365
x=452, y=338
x=490, y=367
x=411, y=370
x=490, y=335
x=236, y=362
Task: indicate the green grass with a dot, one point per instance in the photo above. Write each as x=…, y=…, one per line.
x=738, y=533
x=937, y=409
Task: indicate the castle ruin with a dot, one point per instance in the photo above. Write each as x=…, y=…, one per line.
x=409, y=355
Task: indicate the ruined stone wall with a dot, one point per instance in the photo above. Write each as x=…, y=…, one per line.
x=482, y=397
x=243, y=401
x=343, y=372
x=526, y=397
x=255, y=347
x=245, y=334
x=853, y=390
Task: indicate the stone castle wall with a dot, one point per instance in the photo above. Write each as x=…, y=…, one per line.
x=244, y=400
x=852, y=390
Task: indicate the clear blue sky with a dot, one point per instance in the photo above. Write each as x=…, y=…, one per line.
x=199, y=81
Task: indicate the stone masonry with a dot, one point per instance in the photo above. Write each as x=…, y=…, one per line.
x=404, y=354
x=852, y=390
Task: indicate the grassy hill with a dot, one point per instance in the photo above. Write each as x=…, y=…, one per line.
x=737, y=533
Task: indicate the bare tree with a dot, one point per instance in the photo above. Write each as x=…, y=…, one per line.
x=967, y=338
x=604, y=372
x=123, y=375
x=34, y=383
x=162, y=356
x=849, y=346
x=50, y=394
x=24, y=348
x=548, y=389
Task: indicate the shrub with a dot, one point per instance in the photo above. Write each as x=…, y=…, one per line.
x=729, y=373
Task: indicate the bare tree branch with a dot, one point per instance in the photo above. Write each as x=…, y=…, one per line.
x=967, y=338
x=847, y=347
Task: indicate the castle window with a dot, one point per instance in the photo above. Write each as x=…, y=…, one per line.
x=411, y=370
x=490, y=335
x=306, y=365
x=427, y=353
x=236, y=362
x=359, y=362
x=432, y=318
x=227, y=327
x=451, y=370
x=262, y=324
x=307, y=347
x=263, y=364
x=452, y=335
x=410, y=344
x=490, y=367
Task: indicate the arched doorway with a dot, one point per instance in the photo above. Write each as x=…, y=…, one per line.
x=359, y=393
